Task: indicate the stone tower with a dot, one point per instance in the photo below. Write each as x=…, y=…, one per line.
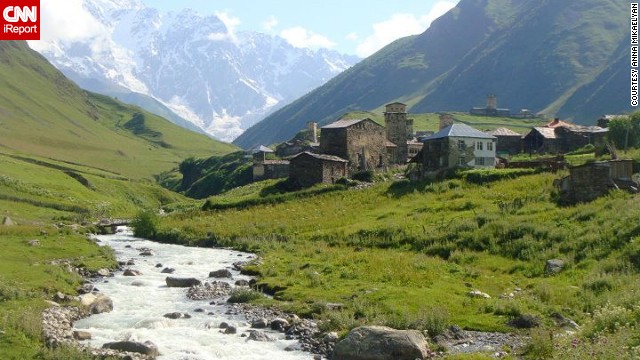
x=492, y=102
x=399, y=129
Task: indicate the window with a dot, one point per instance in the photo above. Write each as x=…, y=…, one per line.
x=461, y=144
x=480, y=161
x=461, y=161
x=479, y=145
x=490, y=145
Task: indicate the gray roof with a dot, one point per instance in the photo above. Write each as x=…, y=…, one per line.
x=459, y=130
x=546, y=132
x=262, y=148
x=343, y=123
x=321, y=156
x=503, y=132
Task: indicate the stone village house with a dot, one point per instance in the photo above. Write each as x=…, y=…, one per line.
x=508, y=142
x=265, y=168
x=592, y=180
x=559, y=137
x=307, y=168
x=361, y=142
x=457, y=145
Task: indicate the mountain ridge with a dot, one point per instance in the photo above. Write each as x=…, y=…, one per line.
x=222, y=81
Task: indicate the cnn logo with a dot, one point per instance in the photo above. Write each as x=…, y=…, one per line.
x=16, y=14
x=20, y=20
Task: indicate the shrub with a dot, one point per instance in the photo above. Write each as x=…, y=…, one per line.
x=145, y=224
x=540, y=345
x=435, y=321
x=241, y=295
x=363, y=176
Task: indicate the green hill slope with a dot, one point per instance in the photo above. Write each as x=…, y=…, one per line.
x=548, y=56
x=42, y=113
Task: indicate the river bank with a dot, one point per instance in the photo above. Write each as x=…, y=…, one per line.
x=187, y=322
x=180, y=322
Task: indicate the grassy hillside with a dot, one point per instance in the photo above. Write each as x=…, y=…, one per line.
x=44, y=114
x=408, y=254
x=36, y=190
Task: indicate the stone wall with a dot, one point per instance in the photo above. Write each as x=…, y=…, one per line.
x=306, y=170
x=508, y=144
x=362, y=144
x=589, y=181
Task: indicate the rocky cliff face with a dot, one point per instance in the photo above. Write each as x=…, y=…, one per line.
x=221, y=81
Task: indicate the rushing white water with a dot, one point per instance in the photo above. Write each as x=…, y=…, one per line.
x=139, y=303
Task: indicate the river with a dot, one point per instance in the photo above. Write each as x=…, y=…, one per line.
x=141, y=301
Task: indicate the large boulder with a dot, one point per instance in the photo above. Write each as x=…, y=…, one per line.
x=259, y=336
x=553, y=266
x=381, y=343
x=96, y=304
x=147, y=348
x=181, y=282
x=222, y=273
x=132, y=272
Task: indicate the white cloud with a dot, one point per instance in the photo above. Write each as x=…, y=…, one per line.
x=231, y=23
x=352, y=36
x=67, y=21
x=400, y=25
x=270, y=24
x=303, y=38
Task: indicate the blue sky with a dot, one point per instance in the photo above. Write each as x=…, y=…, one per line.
x=349, y=26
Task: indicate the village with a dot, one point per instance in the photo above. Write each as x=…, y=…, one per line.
x=357, y=148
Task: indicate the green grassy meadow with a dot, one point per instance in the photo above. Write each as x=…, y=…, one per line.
x=407, y=255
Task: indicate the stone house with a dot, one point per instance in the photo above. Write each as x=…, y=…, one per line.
x=561, y=137
x=362, y=142
x=458, y=145
x=592, y=180
x=270, y=169
x=303, y=141
x=307, y=169
x=508, y=142
x=266, y=167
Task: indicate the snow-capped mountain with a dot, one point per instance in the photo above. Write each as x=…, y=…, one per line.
x=222, y=81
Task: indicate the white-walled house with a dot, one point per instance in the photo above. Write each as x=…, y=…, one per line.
x=458, y=145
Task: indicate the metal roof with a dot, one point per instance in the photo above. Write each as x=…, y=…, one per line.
x=459, y=130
